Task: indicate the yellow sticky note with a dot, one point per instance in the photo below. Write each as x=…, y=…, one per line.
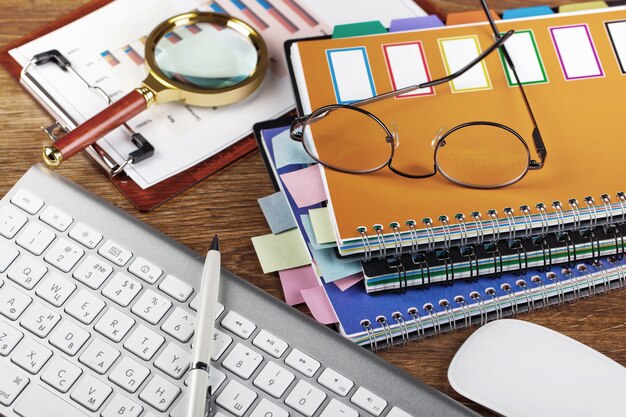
x=589, y=5
x=282, y=251
x=322, y=226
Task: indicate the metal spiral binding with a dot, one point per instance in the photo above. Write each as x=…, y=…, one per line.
x=576, y=293
x=573, y=203
x=397, y=239
x=467, y=314
x=496, y=301
x=530, y=301
x=545, y=249
x=480, y=232
x=593, y=214
x=544, y=218
x=536, y=279
x=591, y=284
x=497, y=259
x=620, y=271
x=447, y=237
x=430, y=233
x=404, y=330
x=528, y=221
x=569, y=245
x=382, y=320
x=560, y=218
x=413, y=234
x=511, y=220
x=382, y=248
x=595, y=244
x=367, y=249
x=447, y=261
x=484, y=318
x=468, y=251
x=420, y=260
x=621, y=196
x=619, y=240
x=417, y=319
x=445, y=304
x=560, y=293
x=367, y=325
x=517, y=245
x=606, y=279
x=606, y=201
x=396, y=263
x=434, y=318
x=495, y=225
x=506, y=287
x=460, y=218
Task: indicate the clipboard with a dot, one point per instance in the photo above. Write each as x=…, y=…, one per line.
x=142, y=199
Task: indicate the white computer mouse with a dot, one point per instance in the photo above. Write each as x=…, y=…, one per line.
x=520, y=369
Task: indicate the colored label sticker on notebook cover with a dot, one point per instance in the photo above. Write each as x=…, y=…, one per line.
x=523, y=50
x=456, y=53
x=351, y=74
x=407, y=66
x=576, y=51
x=617, y=34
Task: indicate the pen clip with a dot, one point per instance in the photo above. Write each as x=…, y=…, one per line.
x=207, y=407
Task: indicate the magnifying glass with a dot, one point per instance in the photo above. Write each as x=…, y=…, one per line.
x=221, y=61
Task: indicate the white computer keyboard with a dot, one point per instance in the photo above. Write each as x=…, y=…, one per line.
x=90, y=326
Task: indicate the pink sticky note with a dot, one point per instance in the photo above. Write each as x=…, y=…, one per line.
x=296, y=279
x=347, y=282
x=305, y=186
x=317, y=301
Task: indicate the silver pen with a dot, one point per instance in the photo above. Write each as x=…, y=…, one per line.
x=199, y=399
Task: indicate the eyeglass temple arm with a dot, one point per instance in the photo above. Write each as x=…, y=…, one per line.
x=540, y=148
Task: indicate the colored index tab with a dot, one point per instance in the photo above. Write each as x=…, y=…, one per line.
x=617, y=34
x=283, y=251
x=576, y=7
x=526, y=12
x=524, y=52
x=351, y=74
x=474, y=16
x=358, y=29
x=406, y=64
x=414, y=23
x=457, y=52
x=576, y=51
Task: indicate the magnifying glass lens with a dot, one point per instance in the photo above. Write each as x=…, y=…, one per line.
x=206, y=56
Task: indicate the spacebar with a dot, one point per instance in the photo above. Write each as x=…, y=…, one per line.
x=37, y=401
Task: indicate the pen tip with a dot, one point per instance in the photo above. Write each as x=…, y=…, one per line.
x=215, y=244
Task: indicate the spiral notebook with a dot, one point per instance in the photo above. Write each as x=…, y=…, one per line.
x=577, y=81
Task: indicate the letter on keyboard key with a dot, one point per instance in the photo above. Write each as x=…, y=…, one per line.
x=159, y=393
x=114, y=324
x=69, y=337
x=129, y=374
x=11, y=221
x=85, y=235
x=7, y=256
x=27, y=202
x=368, y=401
x=120, y=406
x=305, y=398
x=335, y=382
x=9, y=338
x=115, y=253
x=335, y=408
x=61, y=374
x=31, y=356
x=40, y=320
x=176, y=288
x=242, y=327
x=242, y=361
x=151, y=306
x=27, y=272
x=84, y=307
x=269, y=343
x=35, y=238
x=236, y=398
x=55, y=289
x=13, y=302
x=12, y=383
x=180, y=325
x=64, y=255
x=93, y=272
x=145, y=270
x=302, y=362
x=30, y=404
x=274, y=380
x=396, y=412
x=91, y=393
x=56, y=218
x=268, y=409
x=221, y=341
x=122, y=289
x=174, y=361
x=99, y=356
x=143, y=342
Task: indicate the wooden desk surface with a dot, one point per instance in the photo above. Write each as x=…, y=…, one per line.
x=226, y=204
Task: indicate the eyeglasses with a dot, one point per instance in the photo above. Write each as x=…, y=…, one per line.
x=469, y=154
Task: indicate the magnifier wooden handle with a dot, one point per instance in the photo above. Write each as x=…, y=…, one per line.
x=98, y=126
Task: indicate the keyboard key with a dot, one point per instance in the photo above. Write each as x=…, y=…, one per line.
x=145, y=270
x=13, y=302
x=91, y=393
x=274, y=380
x=216, y=378
x=176, y=288
x=7, y=255
x=269, y=343
x=93, y=272
x=302, y=363
x=122, y=289
x=335, y=408
x=159, y=393
x=305, y=398
x=120, y=406
x=114, y=324
x=84, y=307
x=40, y=320
x=64, y=255
x=56, y=218
x=35, y=238
x=27, y=272
x=27, y=202
x=335, y=382
x=12, y=382
x=55, y=289
x=221, y=341
x=242, y=361
x=9, y=338
x=266, y=408
x=99, y=356
x=129, y=374
x=11, y=221
x=31, y=356
x=240, y=326
x=85, y=235
x=115, y=253
x=396, y=412
x=236, y=398
x=180, y=325
x=151, y=306
x=174, y=361
x=69, y=337
x=30, y=404
x=368, y=401
x=61, y=374
x=143, y=342
x=196, y=300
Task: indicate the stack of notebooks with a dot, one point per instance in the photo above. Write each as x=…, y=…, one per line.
x=434, y=255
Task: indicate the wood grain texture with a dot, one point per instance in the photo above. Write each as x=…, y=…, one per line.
x=226, y=204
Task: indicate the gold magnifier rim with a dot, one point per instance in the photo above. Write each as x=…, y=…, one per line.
x=167, y=89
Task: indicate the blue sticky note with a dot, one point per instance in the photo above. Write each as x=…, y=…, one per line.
x=288, y=151
x=526, y=12
x=277, y=212
x=308, y=229
x=414, y=23
x=331, y=267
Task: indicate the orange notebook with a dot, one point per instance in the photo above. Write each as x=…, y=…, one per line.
x=575, y=78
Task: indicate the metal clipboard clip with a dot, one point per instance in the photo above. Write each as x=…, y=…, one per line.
x=65, y=122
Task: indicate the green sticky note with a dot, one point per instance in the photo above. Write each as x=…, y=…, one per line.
x=358, y=29
x=322, y=226
x=576, y=7
x=283, y=251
